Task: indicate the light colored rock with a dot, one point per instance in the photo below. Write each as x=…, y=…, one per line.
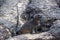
x=43, y=4
x=43, y=36
x=8, y=17
x=4, y=33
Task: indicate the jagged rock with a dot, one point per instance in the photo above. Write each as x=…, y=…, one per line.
x=14, y=14
x=48, y=7
x=43, y=4
x=55, y=29
x=4, y=33
x=8, y=13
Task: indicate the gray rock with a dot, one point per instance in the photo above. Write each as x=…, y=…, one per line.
x=55, y=29
x=48, y=7
x=43, y=4
x=4, y=33
x=8, y=17
x=8, y=13
x=42, y=36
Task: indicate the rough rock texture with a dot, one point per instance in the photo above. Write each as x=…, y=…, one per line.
x=42, y=36
x=8, y=13
x=4, y=32
x=48, y=7
x=55, y=29
x=39, y=16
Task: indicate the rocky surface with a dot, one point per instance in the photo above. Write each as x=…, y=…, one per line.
x=25, y=16
x=42, y=36
x=8, y=13
x=54, y=29
x=4, y=33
